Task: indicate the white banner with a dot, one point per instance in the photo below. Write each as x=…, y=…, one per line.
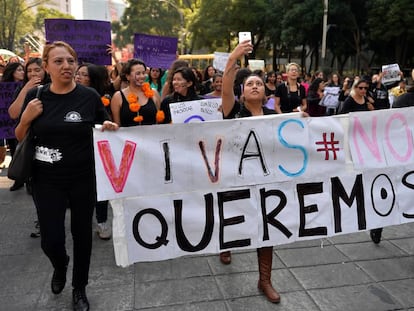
x=198, y=188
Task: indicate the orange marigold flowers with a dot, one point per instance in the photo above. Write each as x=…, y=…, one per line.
x=138, y=119
x=105, y=100
x=134, y=107
x=160, y=116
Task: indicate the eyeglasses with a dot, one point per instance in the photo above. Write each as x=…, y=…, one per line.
x=363, y=87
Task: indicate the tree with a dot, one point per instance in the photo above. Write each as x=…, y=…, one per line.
x=15, y=21
x=44, y=13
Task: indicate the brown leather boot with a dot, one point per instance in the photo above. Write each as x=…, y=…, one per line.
x=225, y=257
x=264, y=256
x=3, y=152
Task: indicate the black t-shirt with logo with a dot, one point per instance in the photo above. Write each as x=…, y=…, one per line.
x=64, y=140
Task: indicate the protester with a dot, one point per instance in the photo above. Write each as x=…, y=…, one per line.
x=34, y=75
x=315, y=95
x=62, y=119
x=253, y=99
x=136, y=104
x=291, y=95
x=357, y=99
x=13, y=72
x=97, y=77
x=216, y=86
x=184, y=86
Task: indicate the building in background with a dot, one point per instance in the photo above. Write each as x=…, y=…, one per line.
x=103, y=10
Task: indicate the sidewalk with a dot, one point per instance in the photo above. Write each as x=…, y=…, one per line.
x=343, y=273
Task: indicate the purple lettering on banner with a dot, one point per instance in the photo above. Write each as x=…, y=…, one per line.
x=155, y=51
x=89, y=38
x=7, y=125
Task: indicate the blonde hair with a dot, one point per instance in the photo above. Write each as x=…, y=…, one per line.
x=55, y=44
x=292, y=64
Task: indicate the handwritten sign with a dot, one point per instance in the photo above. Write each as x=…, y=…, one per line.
x=220, y=60
x=205, y=187
x=155, y=51
x=196, y=111
x=89, y=38
x=7, y=125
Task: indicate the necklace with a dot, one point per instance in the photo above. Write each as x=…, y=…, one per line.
x=134, y=105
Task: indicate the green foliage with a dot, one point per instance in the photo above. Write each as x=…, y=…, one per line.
x=44, y=13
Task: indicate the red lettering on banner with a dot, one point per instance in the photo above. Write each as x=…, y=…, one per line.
x=117, y=177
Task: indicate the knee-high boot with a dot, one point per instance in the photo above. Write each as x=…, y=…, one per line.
x=264, y=256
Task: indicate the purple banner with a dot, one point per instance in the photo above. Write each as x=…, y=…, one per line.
x=89, y=38
x=155, y=51
x=7, y=125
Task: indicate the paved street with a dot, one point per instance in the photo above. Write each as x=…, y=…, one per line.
x=343, y=273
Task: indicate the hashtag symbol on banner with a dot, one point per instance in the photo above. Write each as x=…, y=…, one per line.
x=328, y=146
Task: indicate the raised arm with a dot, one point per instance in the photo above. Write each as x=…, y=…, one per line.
x=227, y=99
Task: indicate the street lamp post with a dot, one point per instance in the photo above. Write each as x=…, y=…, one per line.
x=324, y=27
x=180, y=12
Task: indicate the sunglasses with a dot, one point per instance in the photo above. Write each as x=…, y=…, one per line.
x=363, y=87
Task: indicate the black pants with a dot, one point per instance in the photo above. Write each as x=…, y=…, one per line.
x=51, y=201
x=101, y=211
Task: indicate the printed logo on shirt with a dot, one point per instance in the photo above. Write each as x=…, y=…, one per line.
x=49, y=155
x=73, y=116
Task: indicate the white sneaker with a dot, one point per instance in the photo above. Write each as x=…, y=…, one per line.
x=103, y=231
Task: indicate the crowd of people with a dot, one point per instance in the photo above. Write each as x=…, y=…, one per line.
x=75, y=97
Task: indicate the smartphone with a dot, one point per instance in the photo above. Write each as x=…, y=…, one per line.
x=245, y=35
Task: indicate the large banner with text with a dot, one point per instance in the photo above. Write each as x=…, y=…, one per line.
x=195, y=188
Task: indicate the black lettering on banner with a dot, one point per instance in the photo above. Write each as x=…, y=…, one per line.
x=248, y=155
x=383, y=195
x=357, y=194
x=182, y=241
x=228, y=196
x=166, y=150
x=161, y=240
x=409, y=186
x=302, y=190
x=270, y=218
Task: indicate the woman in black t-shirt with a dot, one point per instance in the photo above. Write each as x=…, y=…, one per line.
x=62, y=118
x=253, y=97
x=291, y=95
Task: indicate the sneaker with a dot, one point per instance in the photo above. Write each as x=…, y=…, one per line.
x=36, y=232
x=103, y=231
x=375, y=235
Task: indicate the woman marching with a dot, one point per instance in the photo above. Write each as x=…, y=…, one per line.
x=62, y=119
x=253, y=97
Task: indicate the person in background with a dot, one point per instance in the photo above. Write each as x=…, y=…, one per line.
x=291, y=95
x=398, y=90
x=357, y=99
x=62, y=118
x=34, y=75
x=136, y=104
x=208, y=74
x=168, y=89
x=379, y=92
x=270, y=86
x=306, y=82
x=216, y=86
x=199, y=79
x=156, y=79
x=334, y=80
x=97, y=77
x=406, y=99
x=254, y=98
x=315, y=95
x=184, y=85
x=13, y=72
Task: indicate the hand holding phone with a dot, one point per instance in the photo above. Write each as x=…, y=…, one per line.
x=244, y=36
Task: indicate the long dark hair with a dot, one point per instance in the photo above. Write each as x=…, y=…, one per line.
x=189, y=76
x=158, y=80
x=9, y=71
x=314, y=86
